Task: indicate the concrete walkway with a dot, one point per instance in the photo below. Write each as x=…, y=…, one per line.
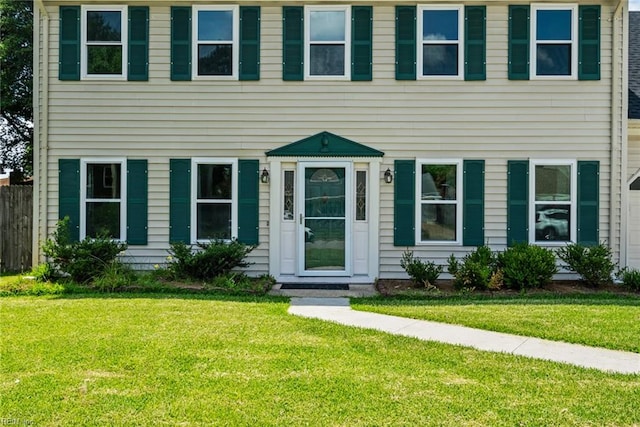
x=338, y=310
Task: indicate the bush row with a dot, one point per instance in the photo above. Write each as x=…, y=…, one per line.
x=522, y=266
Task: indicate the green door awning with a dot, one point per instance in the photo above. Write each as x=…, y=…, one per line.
x=325, y=144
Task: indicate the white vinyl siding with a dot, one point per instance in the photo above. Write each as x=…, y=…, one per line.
x=496, y=120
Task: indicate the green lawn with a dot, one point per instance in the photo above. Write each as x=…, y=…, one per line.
x=202, y=360
x=600, y=320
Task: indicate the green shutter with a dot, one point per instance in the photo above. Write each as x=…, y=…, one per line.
x=473, y=203
x=517, y=201
x=475, y=42
x=293, y=43
x=69, y=195
x=249, y=43
x=518, y=42
x=589, y=43
x=248, y=201
x=588, y=202
x=69, y=55
x=404, y=224
x=180, y=43
x=137, y=206
x=180, y=200
x=405, y=42
x=138, y=49
x=361, y=43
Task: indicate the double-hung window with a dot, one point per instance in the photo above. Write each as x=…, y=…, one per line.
x=439, y=213
x=215, y=47
x=554, y=35
x=440, y=36
x=553, y=201
x=104, y=42
x=103, y=198
x=327, y=40
x=214, y=212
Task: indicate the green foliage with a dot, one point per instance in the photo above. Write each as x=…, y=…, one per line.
x=527, y=266
x=16, y=81
x=210, y=260
x=421, y=273
x=593, y=263
x=43, y=273
x=114, y=276
x=630, y=278
x=83, y=261
x=240, y=283
x=474, y=271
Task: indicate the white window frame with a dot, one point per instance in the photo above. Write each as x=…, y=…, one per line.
x=573, y=204
x=420, y=42
x=194, y=194
x=533, y=51
x=124, y=41
x=347, y=42
x=419, y=202
x=122, y=200
x=235, y=43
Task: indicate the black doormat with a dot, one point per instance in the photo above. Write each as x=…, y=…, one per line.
x=322, y=286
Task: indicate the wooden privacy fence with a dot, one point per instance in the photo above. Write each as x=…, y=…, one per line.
x=16, y=227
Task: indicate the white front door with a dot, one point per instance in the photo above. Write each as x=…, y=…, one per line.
x=324, y=218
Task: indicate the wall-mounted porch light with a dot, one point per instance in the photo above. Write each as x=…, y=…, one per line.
x=388, y=176
x=264, y=176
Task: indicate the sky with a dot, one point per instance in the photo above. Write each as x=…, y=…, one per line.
x=634, y=4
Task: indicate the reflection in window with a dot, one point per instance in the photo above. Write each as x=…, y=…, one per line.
x=438, y=202
x=553, y=35
x=104, y=42
x=214, y=201
x=215, y=34
x=440, y=42
x=103, y=200
x=328, y=34
x=552, y=202
x=288, y=196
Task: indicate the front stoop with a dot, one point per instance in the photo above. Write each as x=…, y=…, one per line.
x=355, y=291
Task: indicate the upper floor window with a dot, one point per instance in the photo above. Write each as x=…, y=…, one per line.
x=440, y=36
x=554, y=35
x=104, y=41
x=327, y=40
x=215, y=47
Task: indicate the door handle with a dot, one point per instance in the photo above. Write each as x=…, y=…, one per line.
x=300, y=219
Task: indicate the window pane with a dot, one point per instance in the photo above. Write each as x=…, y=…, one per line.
x=553, y=60
x=103, y=218
x=104, y=59
x=215, y=60
x=214, y=221
x=104, y=26
x=438, y=182
x=288, y=196
x=103, y=181
x=553, y=182
x=438, y=222
x=214, y=182
x=553, y=25
x=361, y=195
x=215, y=25
x=553, y=222
x=440, y=25
x=327, y=60
x=440, y=60
x=327, y=26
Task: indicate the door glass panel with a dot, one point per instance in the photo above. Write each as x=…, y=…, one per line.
x=324, y=226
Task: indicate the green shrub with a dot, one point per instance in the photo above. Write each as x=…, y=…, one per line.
x=85, y=260
x=43, y=273
x=630, y=278
x=421, y=273
x=593, y=263
x=240, y=283
x=210, y=260
x=115, y=275
x=475, y=270
x=527, y=266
